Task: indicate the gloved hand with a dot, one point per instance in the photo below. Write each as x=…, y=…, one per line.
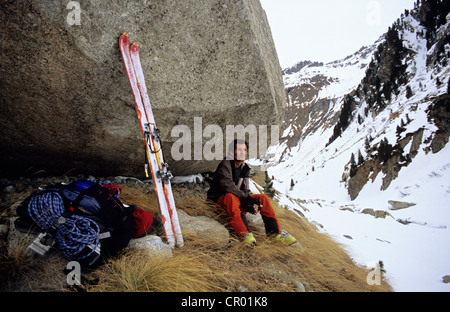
x=251, y=205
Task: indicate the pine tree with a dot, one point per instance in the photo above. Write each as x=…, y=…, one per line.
x=407, y=119
x=367, y=146
x=409, y=92
x=402, y=123
x=360, y=158
x=399, y=130
x=336, y=134
x=346, y=112
x=384, y=150
x=434, y=13
x=268, y=187
x=352, y=166
x=387, y=90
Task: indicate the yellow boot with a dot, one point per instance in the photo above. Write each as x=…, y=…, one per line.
x=249, y=239
x=286, y=239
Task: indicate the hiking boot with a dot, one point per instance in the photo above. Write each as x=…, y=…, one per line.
x=286, y=239
x=249, y=239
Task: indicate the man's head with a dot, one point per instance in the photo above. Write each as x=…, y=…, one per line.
x=238, y=149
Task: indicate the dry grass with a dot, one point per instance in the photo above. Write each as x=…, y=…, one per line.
x=21, y=270
x=318, y=262
x=138, y=271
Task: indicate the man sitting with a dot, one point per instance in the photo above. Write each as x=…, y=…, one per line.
x=230, y=189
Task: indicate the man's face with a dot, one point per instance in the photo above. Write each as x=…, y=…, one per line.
x=240, y=152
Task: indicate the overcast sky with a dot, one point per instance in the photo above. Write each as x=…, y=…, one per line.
x=328, y=30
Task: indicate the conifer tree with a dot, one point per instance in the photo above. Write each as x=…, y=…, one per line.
x=352, y=166
x=409, y=92
x=268, y=187
x=367, y=145
x=360, y=158
x=385, y=150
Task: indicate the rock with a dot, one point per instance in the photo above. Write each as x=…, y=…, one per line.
x=440, y=115
x=241, y=289
x=205, y=228
x=3, y=230
x=9, y=189
x=446, y=279
x=376, y=213
x=367, y=172
x=391, y=169
x=299, y=286
x=255, y=220
x=346, y=209
x=396, y=205
x=153, y=244
x=66, y=100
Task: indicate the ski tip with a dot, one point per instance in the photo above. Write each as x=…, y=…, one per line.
x=135, y=44
x=124, y=37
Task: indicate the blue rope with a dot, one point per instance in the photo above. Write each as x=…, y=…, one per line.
x=75, y=234
x=45, y=208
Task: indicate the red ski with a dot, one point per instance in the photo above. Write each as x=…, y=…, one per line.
x=159, y=170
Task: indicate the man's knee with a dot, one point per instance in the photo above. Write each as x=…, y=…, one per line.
x=230, y=196
x=230, y=203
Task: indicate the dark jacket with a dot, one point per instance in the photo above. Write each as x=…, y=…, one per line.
x=224, y=181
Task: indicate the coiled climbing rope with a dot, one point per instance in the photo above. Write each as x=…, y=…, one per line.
x=74, y=234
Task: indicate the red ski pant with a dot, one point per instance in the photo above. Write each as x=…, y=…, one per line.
x=232, y=205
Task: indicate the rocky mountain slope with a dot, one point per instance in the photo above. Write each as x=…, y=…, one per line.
x=373, y=139
x=315, y=91
x=326, y=100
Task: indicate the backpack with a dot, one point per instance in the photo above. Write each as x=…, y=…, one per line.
x=84, y=219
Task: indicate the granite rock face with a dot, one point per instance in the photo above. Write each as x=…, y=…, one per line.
x=66, y=103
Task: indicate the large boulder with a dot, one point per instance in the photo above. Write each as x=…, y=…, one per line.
x=65, y=100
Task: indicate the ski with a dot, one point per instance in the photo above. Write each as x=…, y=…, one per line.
x=152, y=140
x=162, y=172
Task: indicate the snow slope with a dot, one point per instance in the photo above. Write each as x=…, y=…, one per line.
x=416, y=251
